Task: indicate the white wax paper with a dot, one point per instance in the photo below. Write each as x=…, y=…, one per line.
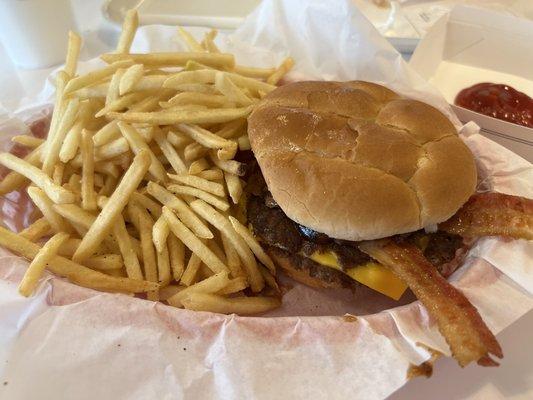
x=69, y=342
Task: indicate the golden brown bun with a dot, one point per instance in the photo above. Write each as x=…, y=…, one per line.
x=356, y=161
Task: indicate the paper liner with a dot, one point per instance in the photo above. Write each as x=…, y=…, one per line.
x=71, y=342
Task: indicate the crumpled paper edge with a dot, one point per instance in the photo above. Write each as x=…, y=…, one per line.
x=405, y=326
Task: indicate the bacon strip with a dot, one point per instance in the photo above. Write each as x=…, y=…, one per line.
x=488, y=214
x=458, y=320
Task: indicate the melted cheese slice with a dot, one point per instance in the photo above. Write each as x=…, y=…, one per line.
x=371, y=274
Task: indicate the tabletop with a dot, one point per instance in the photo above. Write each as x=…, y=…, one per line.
x=512, y=380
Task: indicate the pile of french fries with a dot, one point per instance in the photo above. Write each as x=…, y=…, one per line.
x=137, y=184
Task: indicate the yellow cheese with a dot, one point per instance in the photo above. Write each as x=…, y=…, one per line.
x=371, y=274
x=329, y=259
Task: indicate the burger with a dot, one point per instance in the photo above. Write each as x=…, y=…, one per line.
x=353, y=184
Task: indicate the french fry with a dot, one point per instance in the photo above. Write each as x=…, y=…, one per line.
x=221, y=60
x=75, y=272
x=107, y=168
x=269, y=278
x=232, y=129
x=93, y=91
x=95, y=76
x=244, y=143
x=168, y=291
x=191, y=270
x=129, y=27
x=198, y=166
x=146, y=132
x=205, y=196
x=196, y=88
x=107, y=133
x=130, y=78
x=215, y=248
x=234, y=305
x=120, y=104
x=232, y=257
x=194, y=151
x=138, y=145
x=73, y=53
x=37, y=230
x=80, y=218
x=227, y=153
x=27, y=141
x=184, y=107
x=204, y=137
x=195, y=65
x=74, y=183
x=209, y=100
x=191, y=42
x=13, y=180
x=149, y=257
x=207, y=186
x=170, y=153
x=59, y=107
x=98, y=180
x=57, y=175
x=185, y=77
x=113, y=91
x=70, y=145
x=189, y=218
x=38, y=265
x=183, y=116
x=192, y=242
x=178, y=139
x=253, y=244
x=223, y=224
x=115, y=134
x=231, y=166
x=284, y=67
x=234, y=285
x=53, y=145
x=68, y=248
x=109, y=185
x=225, y=86
x=149, y=103
x=113, y=149
x=144, y=201
x=208, y=42
x=131, y=262
x=176, y=251
x=211, y=175
x=44, y=204
x=252, y=72
x=163, y=266
x=160, y=234
x=88, y=195
x=209, y=285
x=233, y=183
x=114, y=206
x=104, y=262
x=150, y=82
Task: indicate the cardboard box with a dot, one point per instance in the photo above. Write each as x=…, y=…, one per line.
x=470, y=46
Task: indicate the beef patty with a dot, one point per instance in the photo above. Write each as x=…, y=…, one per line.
x=288, y=241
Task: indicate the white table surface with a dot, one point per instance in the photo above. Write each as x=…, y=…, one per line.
x=512, y=380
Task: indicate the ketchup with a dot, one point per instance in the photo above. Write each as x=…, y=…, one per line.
x=498, y=101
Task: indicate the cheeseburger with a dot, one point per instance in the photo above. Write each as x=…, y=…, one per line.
x=354, y=184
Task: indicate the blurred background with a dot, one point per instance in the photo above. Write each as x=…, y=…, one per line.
x=33, y=37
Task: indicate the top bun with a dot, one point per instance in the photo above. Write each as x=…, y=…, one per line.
x=356, y=161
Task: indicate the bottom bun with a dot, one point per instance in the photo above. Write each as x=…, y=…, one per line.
x=309, y=272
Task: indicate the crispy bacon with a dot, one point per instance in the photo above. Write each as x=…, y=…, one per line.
x=458, y=320
x=488, y=214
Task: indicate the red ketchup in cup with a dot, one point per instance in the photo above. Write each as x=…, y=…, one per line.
x=498, y=101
